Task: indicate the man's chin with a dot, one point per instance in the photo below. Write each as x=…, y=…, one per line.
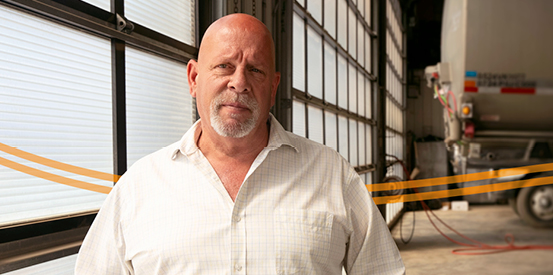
x=230, y=127
x=235, y=116
x=232, y=132
x=233, y=122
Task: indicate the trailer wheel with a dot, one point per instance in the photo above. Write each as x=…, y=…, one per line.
x=535, y=205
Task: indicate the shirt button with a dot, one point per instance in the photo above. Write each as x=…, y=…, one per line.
x=237, y=218
x=237, y=267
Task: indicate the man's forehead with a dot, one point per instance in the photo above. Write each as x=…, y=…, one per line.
x=232, y=47
x=238, y=20
x=229, y=40
x=237, y=33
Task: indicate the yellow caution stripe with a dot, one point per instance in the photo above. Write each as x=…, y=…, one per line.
x=464, y=191
x=53, y=177
x=461, y=178
x=58, y=165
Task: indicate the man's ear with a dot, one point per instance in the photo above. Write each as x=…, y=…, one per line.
x=274, y=87
x=192, y=72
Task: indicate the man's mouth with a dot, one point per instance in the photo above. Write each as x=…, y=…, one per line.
x=235, y=105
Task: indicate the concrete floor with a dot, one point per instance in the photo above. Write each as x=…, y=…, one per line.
x=430, y=253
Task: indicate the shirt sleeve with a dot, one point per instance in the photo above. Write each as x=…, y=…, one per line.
x=103, y=249
x=371, y=248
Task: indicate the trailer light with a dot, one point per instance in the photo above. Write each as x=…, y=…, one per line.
x=466, y=110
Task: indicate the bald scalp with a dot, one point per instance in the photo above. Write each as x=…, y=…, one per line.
x=238, y=24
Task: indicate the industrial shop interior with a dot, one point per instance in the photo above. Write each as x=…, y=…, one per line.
x=438, y=111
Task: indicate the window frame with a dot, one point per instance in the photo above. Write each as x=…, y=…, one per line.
x=57, y=237
x=63, y=235
x=351, y=62
x=393, y=97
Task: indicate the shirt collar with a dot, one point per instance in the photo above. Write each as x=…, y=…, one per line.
x=188, y=143
x=278, y=136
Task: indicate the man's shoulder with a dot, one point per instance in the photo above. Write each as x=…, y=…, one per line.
x=300, y=141
x=279, y=136
x=157, y=157
x=305, y=145
x=139, y=173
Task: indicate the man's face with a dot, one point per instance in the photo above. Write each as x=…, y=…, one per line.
x=234, y=81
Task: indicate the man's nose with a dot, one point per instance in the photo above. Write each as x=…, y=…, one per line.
x=239, y=81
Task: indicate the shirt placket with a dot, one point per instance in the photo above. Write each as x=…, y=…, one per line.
x=238, y=221
x=238, y=236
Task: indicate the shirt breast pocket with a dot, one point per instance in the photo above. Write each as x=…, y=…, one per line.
x=302, y=240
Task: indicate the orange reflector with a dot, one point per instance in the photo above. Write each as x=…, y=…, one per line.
x=466, y=110
x=470, y=83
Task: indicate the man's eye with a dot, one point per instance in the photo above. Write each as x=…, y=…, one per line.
x=256, y=70
x=222, y=66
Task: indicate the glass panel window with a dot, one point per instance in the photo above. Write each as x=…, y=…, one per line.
x=388, y=113
x=342, y=23
x=388, y=76
x=396, y=117
x=352, y=89
x=353, y=142
x=174, y=18
x=352, y=34
x=362, y=143
x=343, y=136
x=55, y=102
x=315, y=8
x=330, y=74
x=392, y=114
x=368, y=41
x=361, y=43
x=368, y=12
x=315, y=125
x=361, y=93
x=368, y=139
x=298, y=118
x=331, y=131
x=159, y=105
x=298, y=60
x=342, y=82
x=314, y=63
x=103, y=4
x=368, y=101
x=330, y=17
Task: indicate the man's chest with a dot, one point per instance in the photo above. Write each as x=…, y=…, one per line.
x=184, y=234
x=187, y=224
x=200, y=234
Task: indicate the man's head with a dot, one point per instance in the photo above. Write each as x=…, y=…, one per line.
x=234, y=80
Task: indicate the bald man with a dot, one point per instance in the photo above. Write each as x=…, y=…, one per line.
x=238, y=194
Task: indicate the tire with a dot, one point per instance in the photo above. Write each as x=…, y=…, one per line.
x=535, y=205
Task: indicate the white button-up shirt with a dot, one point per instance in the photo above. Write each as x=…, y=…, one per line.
x=302, y=209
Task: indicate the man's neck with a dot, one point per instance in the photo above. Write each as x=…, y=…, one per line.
x=247, y=148
x=232, y=158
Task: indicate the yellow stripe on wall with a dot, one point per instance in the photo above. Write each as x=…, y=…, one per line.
x=53, y=177
x=464, y=191
x=371, y=187
x=58, y=165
